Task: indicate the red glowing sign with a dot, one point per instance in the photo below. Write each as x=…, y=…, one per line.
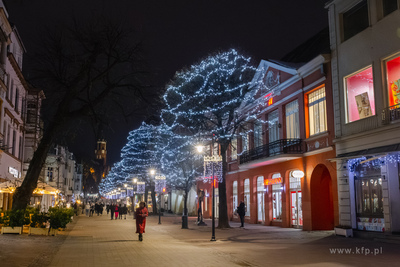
x=273, y=181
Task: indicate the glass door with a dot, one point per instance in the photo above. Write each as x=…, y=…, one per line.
x=296, y=208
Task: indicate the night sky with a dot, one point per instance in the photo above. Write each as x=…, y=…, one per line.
x=177, y=33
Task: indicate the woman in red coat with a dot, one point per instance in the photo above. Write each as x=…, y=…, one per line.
x=140, y=215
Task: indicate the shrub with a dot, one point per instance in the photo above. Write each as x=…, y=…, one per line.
x=60, y=217
x=13, y=218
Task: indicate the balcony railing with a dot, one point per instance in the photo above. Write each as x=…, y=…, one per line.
x=282, y=146
x=390, y=114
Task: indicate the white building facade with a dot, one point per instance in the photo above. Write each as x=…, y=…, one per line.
x=365, y=44
x=13, y=91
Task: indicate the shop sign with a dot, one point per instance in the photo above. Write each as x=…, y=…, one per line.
x=14, y=172
x=273, y=181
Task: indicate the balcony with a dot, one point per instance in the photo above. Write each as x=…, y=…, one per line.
x=280, y=150
x=390, y=114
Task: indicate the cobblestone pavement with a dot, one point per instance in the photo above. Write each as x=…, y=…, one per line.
x=99, y=241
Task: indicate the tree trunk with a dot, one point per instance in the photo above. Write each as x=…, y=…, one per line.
x=185, y=198
x=223, y=221
x=24, y=193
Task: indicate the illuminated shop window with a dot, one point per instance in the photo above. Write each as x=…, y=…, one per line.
x=247, y=196
x=393, y=81
x=277, y=199
x=360, y=95
x=235, y=195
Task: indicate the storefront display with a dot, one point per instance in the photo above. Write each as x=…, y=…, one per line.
x=360, y=95
x=393, y=81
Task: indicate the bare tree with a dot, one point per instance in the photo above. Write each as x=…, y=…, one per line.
x=91, y=72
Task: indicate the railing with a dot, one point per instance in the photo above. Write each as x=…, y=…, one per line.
x=391, y=114
x=282, y=146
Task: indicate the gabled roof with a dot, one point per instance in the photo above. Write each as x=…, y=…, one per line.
x=316, y=45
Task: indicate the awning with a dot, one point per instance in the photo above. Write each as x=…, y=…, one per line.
x=375, y=151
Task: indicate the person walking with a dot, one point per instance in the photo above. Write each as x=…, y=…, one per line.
x=91, y=210
x=125, y=211
x=96, y=208
x=116, y=210
x=121, y=211
x=140, y=216
x=241, y=210
x=112, y=210
x=87, y=209
x=108, y=208
x=101, y=208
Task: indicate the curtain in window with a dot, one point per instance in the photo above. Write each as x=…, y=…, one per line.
x=292, y=120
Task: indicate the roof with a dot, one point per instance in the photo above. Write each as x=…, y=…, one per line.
x=316, y=45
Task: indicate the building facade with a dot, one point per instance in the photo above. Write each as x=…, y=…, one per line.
x=279, y=166
x=365, y=44
x=13, y=92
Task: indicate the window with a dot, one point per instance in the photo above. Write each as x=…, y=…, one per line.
x=247, y=196
x=317, y=111
x=292, y=120
x=11, y=90
x=4, y=141
x=273, y=129
x=388, y=6
x=234, y=148
x=50, y=174
x=360, y=95
x=20, y=148
x=277, y=200
x=393, y=81
x=215, y=149
x=369, y=197
x=260, y=198
x=245, y=142
x=17, y=99
x=355, y=20
x=258, y=138
x=235, y=195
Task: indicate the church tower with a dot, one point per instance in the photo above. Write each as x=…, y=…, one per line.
x=101, y=152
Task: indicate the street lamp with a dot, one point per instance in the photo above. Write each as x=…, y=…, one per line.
x=212, y=159
x=161, y=181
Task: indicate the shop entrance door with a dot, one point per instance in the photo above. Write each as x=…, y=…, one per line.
x=296, y=209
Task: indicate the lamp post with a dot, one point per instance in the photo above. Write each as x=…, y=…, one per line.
x=212, y=159
x=161, y=180
x=158, y=186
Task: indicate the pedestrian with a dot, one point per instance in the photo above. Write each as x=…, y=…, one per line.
x=241, y=210
x=101, y=208
x=125, y=211
x=96, y=208
x=87, y=209
x=116, y=210
x=121, y=211
x=75, y=206
x=112, y=209
x=91, y=210
x=140, y=216
x=108, y=208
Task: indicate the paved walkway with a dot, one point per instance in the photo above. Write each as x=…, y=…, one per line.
x=99, y=241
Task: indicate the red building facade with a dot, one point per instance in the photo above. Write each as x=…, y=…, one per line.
x=281, y=168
